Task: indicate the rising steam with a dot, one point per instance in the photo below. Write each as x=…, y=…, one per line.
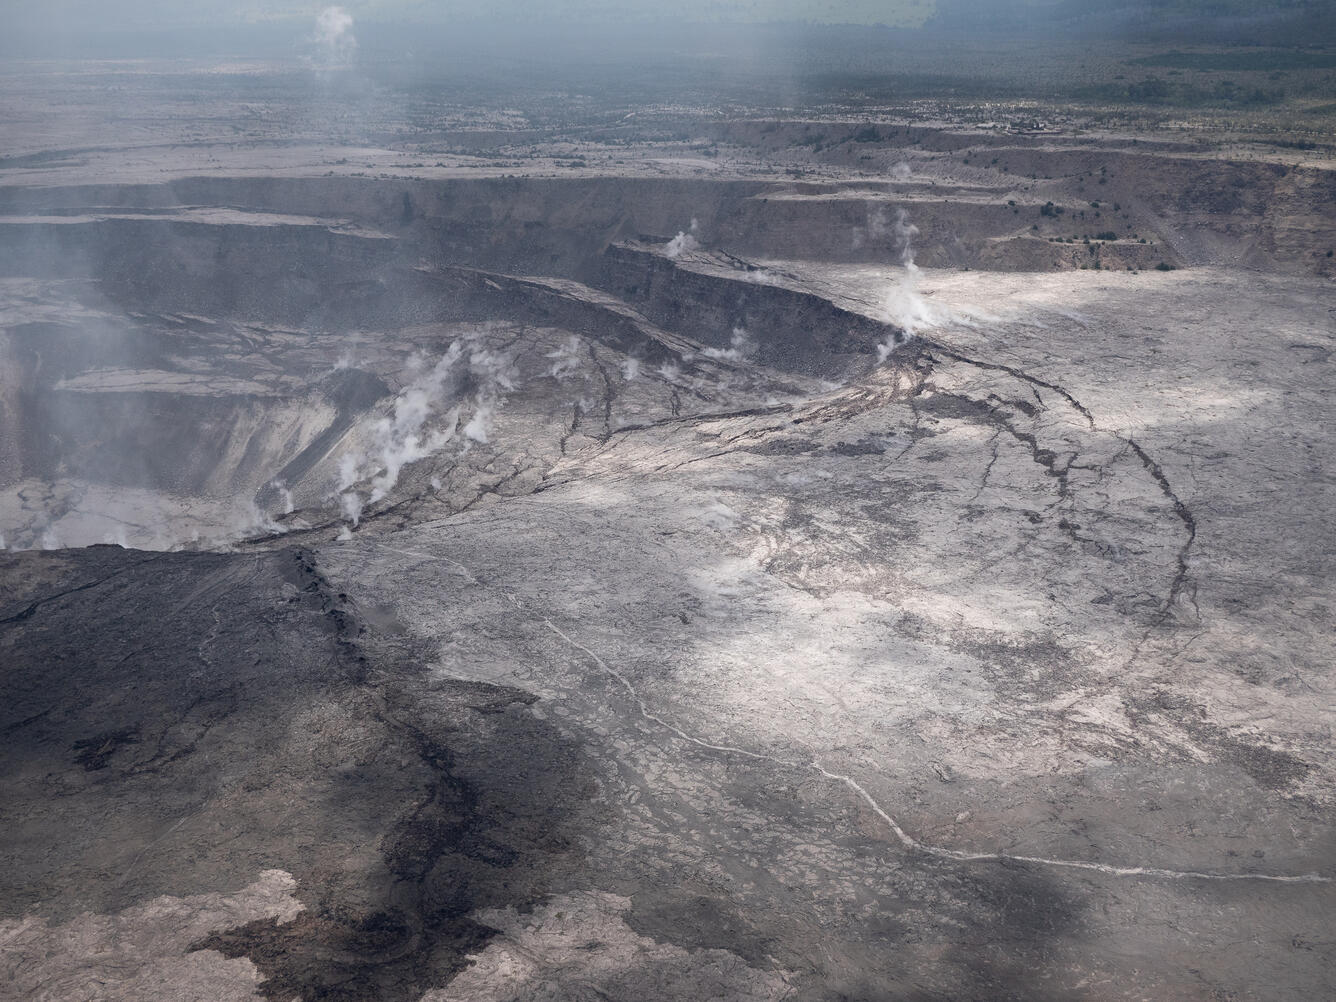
x=567, y=358
x=335, y=44
x=285, y=495
x=685, y=242
x=424, y=419
x=742, y=347
x=905, y=306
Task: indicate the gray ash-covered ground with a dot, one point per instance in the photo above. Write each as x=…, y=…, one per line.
x=783, y=573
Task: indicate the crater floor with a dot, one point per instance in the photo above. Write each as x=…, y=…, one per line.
x=666, y=581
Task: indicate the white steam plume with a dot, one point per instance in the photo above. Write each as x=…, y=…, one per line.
x=878, y=226
x=685, y=242
x=289, y=506
x=493, y=374
x=404, y=436
x=248, y=521
x=400, y=439
x=351, y=504
x=905, y=232
x=347, y=471
x=905, y=305
x=742, y=347
x=567, y=358
x=480, y=424
x=334, y=40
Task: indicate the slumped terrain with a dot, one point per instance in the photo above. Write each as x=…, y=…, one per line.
x=866, y=562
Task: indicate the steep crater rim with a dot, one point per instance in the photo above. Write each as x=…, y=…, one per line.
x=192, y=375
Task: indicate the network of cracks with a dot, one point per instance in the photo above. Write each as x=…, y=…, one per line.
x=523, y=596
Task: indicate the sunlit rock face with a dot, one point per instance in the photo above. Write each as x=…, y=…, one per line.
x=668, y=577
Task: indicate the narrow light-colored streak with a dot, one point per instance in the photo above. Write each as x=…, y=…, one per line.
x=429, y=557
x=645, y=711
x=142, y=852
x=907, y=840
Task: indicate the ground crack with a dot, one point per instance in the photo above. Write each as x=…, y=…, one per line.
x=1182, y=582
x=26, y=613
x=904, y=838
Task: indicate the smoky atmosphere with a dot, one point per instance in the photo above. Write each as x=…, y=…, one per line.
x=740, y=500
